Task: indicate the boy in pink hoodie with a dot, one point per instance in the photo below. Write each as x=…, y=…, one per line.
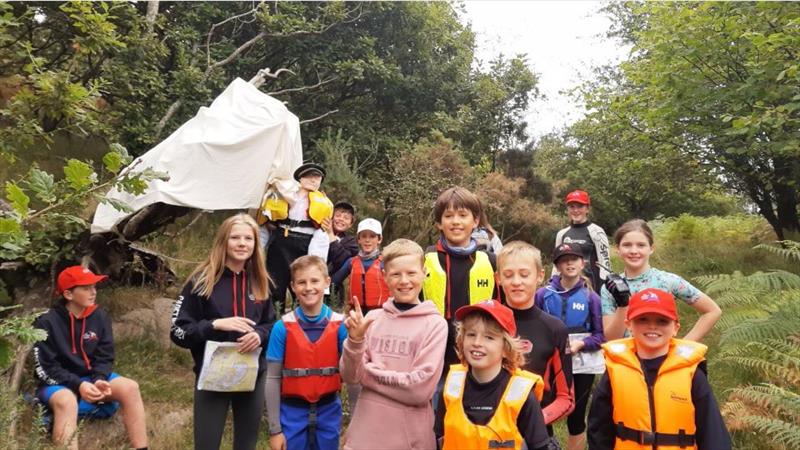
x=396, y=353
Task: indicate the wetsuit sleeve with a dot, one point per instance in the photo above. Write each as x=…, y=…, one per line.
x=530, y=424
x=45, y=353
x=600, y=425
x=343, y=272
x=265, y=323
x=438, y=421
x=272, y=394
x=189, y=327
x=342, y=335
x=277, y=343
x=415, y=386
x=593, y=342
x=600, y=240
x=103, y=357
x=560, y=367
x=711, y=432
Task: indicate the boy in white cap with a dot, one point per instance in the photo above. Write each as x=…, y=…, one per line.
x=367, y=286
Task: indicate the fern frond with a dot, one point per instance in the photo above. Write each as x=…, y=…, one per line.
x=773, y=430
x=772, y=280
x=789, y=250
x=770, y=397
x=782, y=323
x=733, y=318
x=740, y=297
x=772, y=359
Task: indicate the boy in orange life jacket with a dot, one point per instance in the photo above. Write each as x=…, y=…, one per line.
x=458, y=274
x=303, y=381
x=652, y=394
x=367, y=286
x=488, y=401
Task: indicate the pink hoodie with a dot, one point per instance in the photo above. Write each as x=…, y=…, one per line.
x=398, y=366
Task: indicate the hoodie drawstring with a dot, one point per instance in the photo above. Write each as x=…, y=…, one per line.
x=72, y=336
x=243, y=290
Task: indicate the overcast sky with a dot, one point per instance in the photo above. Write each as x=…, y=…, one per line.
x=562, y=39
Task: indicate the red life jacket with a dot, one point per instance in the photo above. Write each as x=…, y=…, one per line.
x=311, y=370
x=368, y=287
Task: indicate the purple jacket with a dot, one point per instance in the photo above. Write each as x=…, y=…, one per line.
x=594, y=341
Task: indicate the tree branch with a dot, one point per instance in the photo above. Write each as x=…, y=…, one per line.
x=304, y=88
x=319, y=117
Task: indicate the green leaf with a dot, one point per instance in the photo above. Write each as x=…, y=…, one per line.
x=19, y=200
x=9, y=226
x=79, y=174
x=112, y=161
x=117, y=204
x=6, y=353
x=42, y=185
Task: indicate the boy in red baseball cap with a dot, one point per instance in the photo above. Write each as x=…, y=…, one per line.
x=487, y=400
x=652, y=393
x=74, y=364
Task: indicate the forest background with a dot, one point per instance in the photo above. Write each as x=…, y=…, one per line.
x=697, y=131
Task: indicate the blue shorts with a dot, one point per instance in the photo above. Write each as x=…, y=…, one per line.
x=85, y=409
x=294, y=421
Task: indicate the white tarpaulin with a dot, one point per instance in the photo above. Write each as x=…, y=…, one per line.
x=223, y=158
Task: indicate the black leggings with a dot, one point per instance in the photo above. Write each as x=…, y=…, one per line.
x=211, y=412
x=576, y=421
x=281, y=253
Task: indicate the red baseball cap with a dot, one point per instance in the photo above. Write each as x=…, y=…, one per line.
x=499, y=312
x=653, y=301
x=77, y=276
x=578, y=196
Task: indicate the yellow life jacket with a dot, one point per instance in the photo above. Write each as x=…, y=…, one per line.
x=670, y=398
x=276, y=209
x=320, y=207
x=501, y=431
x=481, y=281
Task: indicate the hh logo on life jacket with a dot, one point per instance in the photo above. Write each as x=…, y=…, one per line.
x=483, y=283
x=579, y=306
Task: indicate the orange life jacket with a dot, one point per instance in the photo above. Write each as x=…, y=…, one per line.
x=666, y=419
x=311, y=370
x=501, y=431
x=369, y=287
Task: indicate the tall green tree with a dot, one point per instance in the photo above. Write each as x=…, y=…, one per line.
x=719, y=83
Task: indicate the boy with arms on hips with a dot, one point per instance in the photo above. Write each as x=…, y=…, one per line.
x=655, y=392
x=457, y=273
x=303, y=381
x=488, y=401
x=298, y=228
x=396, y=354
x=569, y=297
x=74, y=364
x=367, y=286
x=544, y=338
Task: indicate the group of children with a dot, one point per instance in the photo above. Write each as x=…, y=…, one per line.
x=454, y=347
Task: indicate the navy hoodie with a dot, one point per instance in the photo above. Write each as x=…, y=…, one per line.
x=231, y=297
x=75, y=347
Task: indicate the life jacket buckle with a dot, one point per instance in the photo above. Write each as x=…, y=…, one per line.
x=646, y=438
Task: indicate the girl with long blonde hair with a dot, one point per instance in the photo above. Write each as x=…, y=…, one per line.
x=226, y=299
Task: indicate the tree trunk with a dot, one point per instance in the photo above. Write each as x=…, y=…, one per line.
x=152, y=13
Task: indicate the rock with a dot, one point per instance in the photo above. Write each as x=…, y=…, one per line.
x=153, y=323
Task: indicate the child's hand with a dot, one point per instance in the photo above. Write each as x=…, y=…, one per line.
x=104, y=387
x=240, y=324
x=277, y=442
x=326, y=226
x=89, y=392
x=356, y=323
x=575, y=347
x=248, y=342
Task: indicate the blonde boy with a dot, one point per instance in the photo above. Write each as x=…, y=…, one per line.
x=303, y=365
x=396, y=354
x=544, y=338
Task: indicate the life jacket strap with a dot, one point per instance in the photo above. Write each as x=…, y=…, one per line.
x=323, y=371
x=681, y=439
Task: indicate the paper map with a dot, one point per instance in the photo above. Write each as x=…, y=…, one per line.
x=227, y=370
x=587, y=362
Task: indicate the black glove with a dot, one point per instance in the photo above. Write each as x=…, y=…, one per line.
x=619, y=289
